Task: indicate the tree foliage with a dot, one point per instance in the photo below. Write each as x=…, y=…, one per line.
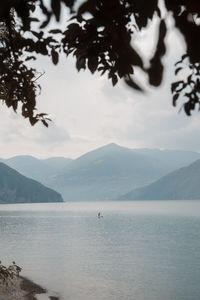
x=99, y=34
x=8, y=273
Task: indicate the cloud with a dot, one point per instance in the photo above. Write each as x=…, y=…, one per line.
x=17, y=136
x=51, y=136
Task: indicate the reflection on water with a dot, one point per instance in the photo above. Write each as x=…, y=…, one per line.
x=138, y=250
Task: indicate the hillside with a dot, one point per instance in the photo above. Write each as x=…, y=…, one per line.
x=56, y=163
x=182, y=184
x=38, y=169
x=16, y=188
x=109, y=171
x=171, y=160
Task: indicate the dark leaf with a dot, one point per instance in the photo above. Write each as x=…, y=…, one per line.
x=37, y=34
x=46, y=22
x=155, y=74
x=85, y=7
x=55, y=5
x=135, y=58
x=114, y=80
x=45, y=123
x=156, y=68
x=33, y=121
x=55, y=31
x=187, y=108
x=54, y=56
x=33, y=19
x=92, y=63
x=174, y=85
x=30, y=57
x=15, y=105
x=130, y=82
x=184, y=56
x=175, y=97
x=178, y=62
x=81, y=63
x=177, y=70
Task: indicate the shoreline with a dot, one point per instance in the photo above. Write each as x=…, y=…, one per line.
x=22, y=288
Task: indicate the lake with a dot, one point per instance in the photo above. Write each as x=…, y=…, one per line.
x=136, y=251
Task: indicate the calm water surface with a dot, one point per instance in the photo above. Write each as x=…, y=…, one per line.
x=137, y=251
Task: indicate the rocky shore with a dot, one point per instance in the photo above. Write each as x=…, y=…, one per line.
x=21, y=288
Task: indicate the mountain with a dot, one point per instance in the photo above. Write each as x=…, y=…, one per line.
x=29, y=166
x=16, y=188
x=104, y=173
x=56, y=163
x=109, y=171
x=38, y=169
x=182, y=184
x=171, y=160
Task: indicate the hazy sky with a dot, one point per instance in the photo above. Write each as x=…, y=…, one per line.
x=87, y=112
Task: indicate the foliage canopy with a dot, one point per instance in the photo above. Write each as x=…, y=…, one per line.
x=8, y=273
x=99, y=35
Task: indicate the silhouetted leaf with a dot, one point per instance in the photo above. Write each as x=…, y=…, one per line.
x=92, y=63
x=33, y=121
x=175, y=97
x=30, y=57
x=130, y=82
x=81, y=63
x=114, y=80
x=55, y=5
x=54, y=56
x=37, y=34
x=156, y=68
x=33, y=20
x=178, y=70
x=176, y=84
x=55, y=31
x=187, y=108
x=184, y=56
x=45, y=123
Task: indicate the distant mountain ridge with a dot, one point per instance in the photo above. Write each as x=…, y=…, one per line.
x=182, y=184
x=38, y=169
x=111, y=170
x=104, y=173
x=16, y=188
x=170, y=159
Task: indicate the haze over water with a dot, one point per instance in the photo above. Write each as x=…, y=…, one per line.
x=138, y=250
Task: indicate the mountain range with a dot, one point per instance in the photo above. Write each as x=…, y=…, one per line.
x=109, y=171
x=182, y=184
x=104, y=173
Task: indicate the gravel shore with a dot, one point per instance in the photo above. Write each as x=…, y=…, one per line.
x=21, y=288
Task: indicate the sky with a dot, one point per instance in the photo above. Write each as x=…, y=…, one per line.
x=87, y=112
